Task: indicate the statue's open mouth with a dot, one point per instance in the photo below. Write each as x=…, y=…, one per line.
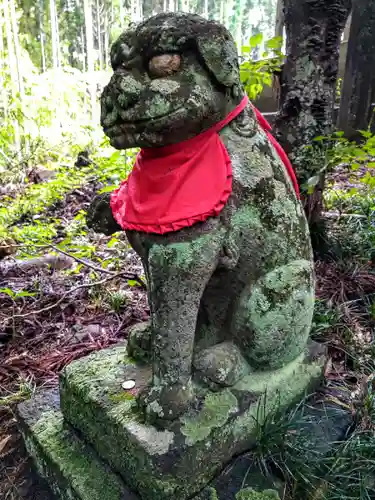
x=113, y=130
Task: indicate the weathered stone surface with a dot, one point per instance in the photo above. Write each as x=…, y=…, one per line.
x=72, y=468
x=54, y=451
x=178, y=461
x=241, y=282
x=139, y=341
x=320, y=426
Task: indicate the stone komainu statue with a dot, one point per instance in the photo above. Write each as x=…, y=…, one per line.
x=211, y=210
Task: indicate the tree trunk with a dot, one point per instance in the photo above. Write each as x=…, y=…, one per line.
x=57, y=34
x=139, y=11
x=136, y=10
x=83, y=45
x=90, y=54
x=147, y=8
x=347, y=29
x=228, y=10
x=358, y=90
x=122, y=14
x=205, y=9
x=185, y=6
x=55, y=53
x=21, y=87
x=308, y=86
x=237, y=28
x=13, y=74
x=106, y=41
x=279, y=25
x=42, y=35
x=4, y=96
x=99, y=34
x=222, y=11
x=17, y=50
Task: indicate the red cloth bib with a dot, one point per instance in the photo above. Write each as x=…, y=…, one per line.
x=172, y=187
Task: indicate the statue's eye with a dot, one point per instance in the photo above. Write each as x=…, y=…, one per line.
x=164, y=65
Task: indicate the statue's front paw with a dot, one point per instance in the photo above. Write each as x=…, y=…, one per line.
x=99, y=215
x=165, y=402
x=139, y=342
x=223, y=364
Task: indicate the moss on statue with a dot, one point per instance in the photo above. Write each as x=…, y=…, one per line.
x=250, y=494
x=59, y=454
x=260, y=235
x=162, y=463
x=217, y=409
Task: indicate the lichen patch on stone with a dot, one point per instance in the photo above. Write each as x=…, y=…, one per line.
x=217, y=408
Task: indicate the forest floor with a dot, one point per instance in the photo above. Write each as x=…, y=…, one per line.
x=59, y=308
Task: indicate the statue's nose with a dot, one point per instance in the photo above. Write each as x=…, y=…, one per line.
x=129, y=90
x=123, y=91
x=109, y=114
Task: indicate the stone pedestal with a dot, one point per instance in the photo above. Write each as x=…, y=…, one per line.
x=97, y=446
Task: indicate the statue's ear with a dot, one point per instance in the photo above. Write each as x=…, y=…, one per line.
x=219, y=54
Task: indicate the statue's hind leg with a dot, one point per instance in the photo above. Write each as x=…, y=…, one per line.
x=273, y=318
x=270, y=326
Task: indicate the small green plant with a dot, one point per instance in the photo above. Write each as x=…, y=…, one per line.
x=26, y=388
x=116, y=301
x=13, y=296
x=326, y=317
x=339, y=88
x=113, y=169
x=272, y=448
x=212, y=494
x=16, y=295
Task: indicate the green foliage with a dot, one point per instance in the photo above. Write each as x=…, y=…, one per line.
x=339, y=150
x=352, y=237
x=272, y=429
x=112, y=169
x=29, y=206
x=351, y=470
x=39, y=229
x=212, y=494
x=353, y=234
x=37, y=197
x=53, y=120
x=256, y=74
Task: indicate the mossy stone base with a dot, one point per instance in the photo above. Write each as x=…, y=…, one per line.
x=179, y=461
x=74, y=471
x=72, y=468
